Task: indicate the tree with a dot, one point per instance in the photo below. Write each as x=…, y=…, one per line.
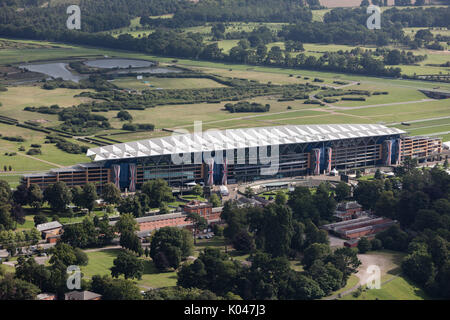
x=5, y=192
x=345, y=260
x=18, y=214
x=30, y=271
x=16, y=289
x=326, y=275
x=67, y=255
x=378, y=175
x=115, y=289
x=342, y=191
x=368, y=192
x=20, y=195
x=316, y=251
x=324, y=201
x=158, y=191
x=58, y=195
x=127, y=264
x=89, y=196
x=364, y=245
x=274, y=229
x=164, y=208
x=215, y=200
x=376, y=244
x=77, y=196
x=301, y=287
x=131, y=241
x=386, y=205
x=111, y=194
x=169, y=246
x=197, y=190
x=198, y=222
x=244, y=242
x=281, y=198
x=124, y=115
x=212, y=270
x=126, y=222
x=35, y=196
x=419, y=267
x=131, y=205
x=365, y=3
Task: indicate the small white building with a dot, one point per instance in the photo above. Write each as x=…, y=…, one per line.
x=224, y=190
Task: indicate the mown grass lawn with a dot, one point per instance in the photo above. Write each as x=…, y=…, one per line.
x=398, y=289
x=100, y=263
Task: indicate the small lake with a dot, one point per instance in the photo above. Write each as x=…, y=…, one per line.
x=119, y=63
x=59, y=69
x=55, y=70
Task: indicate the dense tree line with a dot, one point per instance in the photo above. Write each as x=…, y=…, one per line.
x=117, y=100
x=420, y=200
x=273, y=234
x=65, y=145
x=407, y=17
x=245, y=106
x=235, y=10
x=97, y=15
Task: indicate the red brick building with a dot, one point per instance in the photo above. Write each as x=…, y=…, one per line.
x=348, y=210
x=178, y=219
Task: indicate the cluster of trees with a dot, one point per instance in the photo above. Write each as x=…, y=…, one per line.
x=405, y=17
x=53, y=109
x=11, y=211
x=79, y=120
x=89, y=233
x=169, y=246
x=13, y=241
x=97, y=82
x=245, y=106
x=117, y=100
x=65, y=145
x=420, y=200
x=96, y=15
x=234, y=10
x=153, y=194
x=138, y=126
x=282, y=230
x=394, y=57
x=268, y=277
x=40, y=278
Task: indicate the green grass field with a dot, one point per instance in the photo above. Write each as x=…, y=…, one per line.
x=153, y=83
x=100, y=263
x=398, y=289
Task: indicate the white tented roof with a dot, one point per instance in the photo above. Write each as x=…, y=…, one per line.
x=212, y=140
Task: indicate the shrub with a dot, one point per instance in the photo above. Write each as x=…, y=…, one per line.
x=33, y=152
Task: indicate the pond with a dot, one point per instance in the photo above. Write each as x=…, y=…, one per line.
x=55, y=70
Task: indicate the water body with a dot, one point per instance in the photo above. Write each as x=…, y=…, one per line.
x=59, y=69
x=55, y=70
x=118, y=63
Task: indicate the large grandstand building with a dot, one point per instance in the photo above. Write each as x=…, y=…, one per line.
x=243, y=155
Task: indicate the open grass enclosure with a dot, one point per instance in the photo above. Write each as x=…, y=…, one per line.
x=398, y=289
x=153, y=83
